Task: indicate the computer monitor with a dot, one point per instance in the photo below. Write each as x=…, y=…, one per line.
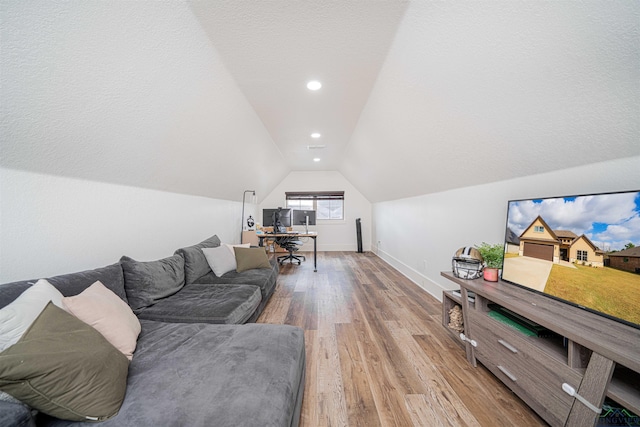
x=267, y=217
x=300, y=217
x=277, y=218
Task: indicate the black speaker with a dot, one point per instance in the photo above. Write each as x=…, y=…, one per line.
x=359, y=235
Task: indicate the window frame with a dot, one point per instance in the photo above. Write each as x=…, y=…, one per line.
x=315, y=197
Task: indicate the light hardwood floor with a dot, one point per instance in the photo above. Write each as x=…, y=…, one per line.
x=377, y=353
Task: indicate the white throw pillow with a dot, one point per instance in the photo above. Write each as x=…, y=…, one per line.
x=220, y=259
x=243, y=245
x=99, y=307
x=16, y=317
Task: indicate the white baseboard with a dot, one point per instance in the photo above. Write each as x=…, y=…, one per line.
x=419, y=279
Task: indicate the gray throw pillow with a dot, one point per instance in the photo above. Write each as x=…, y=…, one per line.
x=148, y=282
x=65, y=368
x=195, y=263
x=249, y=258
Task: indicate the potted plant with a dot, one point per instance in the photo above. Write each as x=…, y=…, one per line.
x=493, y=256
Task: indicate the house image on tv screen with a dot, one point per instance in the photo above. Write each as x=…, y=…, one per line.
x=538, y=240
x=627, y=260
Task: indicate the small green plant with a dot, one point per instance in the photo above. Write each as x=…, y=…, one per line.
x=492, y=254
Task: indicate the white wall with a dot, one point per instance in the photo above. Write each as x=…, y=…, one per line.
x=332, y=235
x=51, y=225
x=419, y=235
x=120, y=129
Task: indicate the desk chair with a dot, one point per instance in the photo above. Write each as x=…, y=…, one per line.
x=291, y=245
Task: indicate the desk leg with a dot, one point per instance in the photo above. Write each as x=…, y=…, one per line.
x=261, y=243
x=315, y=254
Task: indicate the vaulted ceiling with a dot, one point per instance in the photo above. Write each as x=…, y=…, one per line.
x=418, y=96
x=273, y=48
x=425, y=96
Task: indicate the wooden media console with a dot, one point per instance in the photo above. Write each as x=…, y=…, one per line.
x=563, y=374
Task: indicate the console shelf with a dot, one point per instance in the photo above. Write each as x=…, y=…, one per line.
x=594, y=355
x=625, y=388
x=450, y=300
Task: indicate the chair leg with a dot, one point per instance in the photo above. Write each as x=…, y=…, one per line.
x=290, y=257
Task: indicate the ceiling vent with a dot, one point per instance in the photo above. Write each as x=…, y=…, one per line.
x=315, y=147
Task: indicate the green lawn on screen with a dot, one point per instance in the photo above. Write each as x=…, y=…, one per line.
x=611, y=291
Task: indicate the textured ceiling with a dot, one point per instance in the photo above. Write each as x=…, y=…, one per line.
x=418, y=97
x=131, y=93
x=479, y=92
x=427, y=96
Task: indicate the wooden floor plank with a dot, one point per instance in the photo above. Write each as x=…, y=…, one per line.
x=361, y=408
x=296, y=313
x=330, y=389
x=276, y=310
x=422, y=412
x=380, y=374
x=309, y=413
x=447, y=405
x=377, y=353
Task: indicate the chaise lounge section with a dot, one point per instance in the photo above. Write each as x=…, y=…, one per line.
x=183, y=288
x=198, y=271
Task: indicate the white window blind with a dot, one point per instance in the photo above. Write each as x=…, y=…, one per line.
x=327, y=204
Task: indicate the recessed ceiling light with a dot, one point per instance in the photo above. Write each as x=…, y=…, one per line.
x=316, y=159
x=314, y=85
x=315, y=135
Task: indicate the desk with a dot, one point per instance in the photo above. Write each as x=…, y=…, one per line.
x=274, y=236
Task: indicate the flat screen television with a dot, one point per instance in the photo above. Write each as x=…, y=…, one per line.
x=583, y=250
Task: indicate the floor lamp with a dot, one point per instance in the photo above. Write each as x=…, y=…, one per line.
x=242, y=219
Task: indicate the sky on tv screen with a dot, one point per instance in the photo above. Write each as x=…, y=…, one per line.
x=610, y=221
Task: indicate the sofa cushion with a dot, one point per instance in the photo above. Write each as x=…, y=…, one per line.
x=71, y=284
x=16, y=317
x=65, y=368
x=223, y=375
x=265, y=279
x=195, y=263
x=99, y=307
x=230, y=304
x=250, y=258
x=220, y=259
x=148, y=282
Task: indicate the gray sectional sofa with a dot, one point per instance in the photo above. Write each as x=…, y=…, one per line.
x=195, y=364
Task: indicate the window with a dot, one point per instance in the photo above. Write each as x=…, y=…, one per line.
x=301, y=205
x=582, y=255
x=327, y=204
x=538, y=229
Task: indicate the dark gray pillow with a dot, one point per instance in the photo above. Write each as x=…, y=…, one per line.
x=195, y=263
x=148, y=282
x=65, y=368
